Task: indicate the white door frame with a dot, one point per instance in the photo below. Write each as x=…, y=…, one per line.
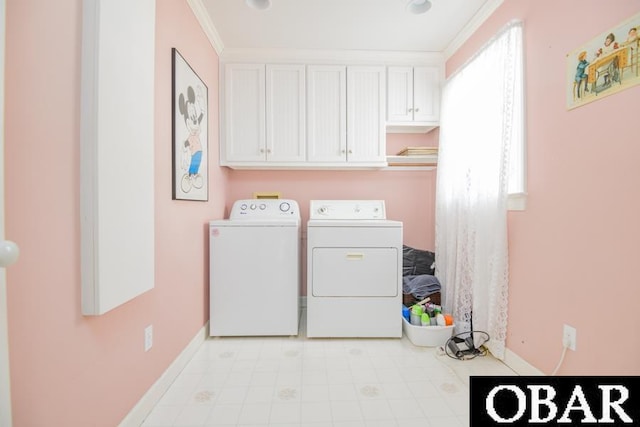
x=5, y=390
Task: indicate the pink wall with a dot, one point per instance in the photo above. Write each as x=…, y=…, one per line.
x=409, y=195
x=573, y=252
x=67, y=369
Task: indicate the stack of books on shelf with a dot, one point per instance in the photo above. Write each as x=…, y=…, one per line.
x=415, y=156
x=418, y=151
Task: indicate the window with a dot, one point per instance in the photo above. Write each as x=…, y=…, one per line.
x=480, y=168
x=517, y=161
x=483, y=112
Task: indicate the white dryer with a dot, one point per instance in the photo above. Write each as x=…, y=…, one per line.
x=354, y=270
x=254, y=285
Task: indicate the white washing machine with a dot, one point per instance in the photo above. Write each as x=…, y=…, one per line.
x=254, y=284
x=354, y=270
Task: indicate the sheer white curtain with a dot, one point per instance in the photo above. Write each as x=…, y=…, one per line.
x=479, y=105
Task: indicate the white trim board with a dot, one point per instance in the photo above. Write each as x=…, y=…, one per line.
x=5, y=383
x=145, y=405
x=116, y=131
x=519, y=365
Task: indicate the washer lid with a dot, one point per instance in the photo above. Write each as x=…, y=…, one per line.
x=358, y=210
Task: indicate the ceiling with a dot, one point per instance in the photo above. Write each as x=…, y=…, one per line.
x=370, y=25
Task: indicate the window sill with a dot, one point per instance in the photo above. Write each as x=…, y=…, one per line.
x=517, y=202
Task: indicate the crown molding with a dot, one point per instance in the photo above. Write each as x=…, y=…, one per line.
x=478, y=19
x=209, y=29
x=321, y=56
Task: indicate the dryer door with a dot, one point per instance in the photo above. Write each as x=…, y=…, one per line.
x=355, y=272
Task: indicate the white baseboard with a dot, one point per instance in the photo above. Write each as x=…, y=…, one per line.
x=137, y=415
x=519, y=365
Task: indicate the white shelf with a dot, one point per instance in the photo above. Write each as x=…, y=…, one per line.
x=305, y=165
x=409, y=168
x=410, y=127
x=405, y=163
x=424, y=160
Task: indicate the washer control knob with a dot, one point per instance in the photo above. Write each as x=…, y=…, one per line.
x=262, y=206
x=243, y=207
x=252, y=207
x=285, y=206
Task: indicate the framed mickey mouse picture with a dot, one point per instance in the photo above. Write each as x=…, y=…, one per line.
x=190, y=132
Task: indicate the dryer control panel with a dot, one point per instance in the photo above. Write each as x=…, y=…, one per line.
x=347, y=209
x=264, y=209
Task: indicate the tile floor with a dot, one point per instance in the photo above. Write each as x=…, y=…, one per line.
x=295, y=381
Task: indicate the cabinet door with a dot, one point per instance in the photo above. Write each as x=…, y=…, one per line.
x=285, y=113
x=244, y=110
x=366, y=136
x=400, y=94
x=426, y=94
x=326, y=113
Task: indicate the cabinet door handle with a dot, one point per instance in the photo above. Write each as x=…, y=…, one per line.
x=417, y=109
x=350, y=151
x=343, y=151
x=262, y=150
x=410, y=110
x=269, y=150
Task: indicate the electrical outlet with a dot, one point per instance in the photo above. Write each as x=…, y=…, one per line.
x=569, y=337
x=148, y=337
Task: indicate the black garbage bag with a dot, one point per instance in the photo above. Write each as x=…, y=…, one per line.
x=416, y=261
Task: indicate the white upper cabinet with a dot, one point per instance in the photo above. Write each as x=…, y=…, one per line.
x=264, y=113
x=426, y=94
x=285, y=113
x=322, y=110
x=366, y=136
x=346, y=119
x=244, y=113
x=413, y=103
x=326, y=113
x=400, y=96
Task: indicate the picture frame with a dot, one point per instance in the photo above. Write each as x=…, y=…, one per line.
x=605, y=65
x=189, y=101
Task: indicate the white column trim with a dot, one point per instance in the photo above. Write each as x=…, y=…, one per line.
x=5, y=382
